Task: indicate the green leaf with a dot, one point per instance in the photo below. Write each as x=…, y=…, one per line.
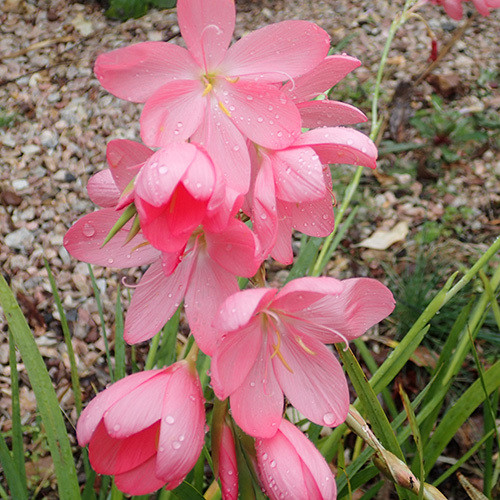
x=126, y=9
x=14, y=480
x=187, y=492
x=458, y=414
x=119, y=341
x=164, y=4
x=46, y=398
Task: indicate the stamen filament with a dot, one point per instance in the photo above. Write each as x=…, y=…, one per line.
x=226, y=111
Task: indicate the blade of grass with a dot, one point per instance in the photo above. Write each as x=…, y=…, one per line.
x=489, y=428
x=458, y=413
x=167, y=353
x=14, y=480
x=119, y=341
x=308, y=250
x=75, y=380
x=97, y=295
x=494, y=303
x=46, y=398
x=416, y=436
x=17, y=431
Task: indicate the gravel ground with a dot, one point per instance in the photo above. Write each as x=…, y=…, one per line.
x=63, y=119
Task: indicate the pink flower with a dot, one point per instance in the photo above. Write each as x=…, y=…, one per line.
x=146, y=429
x=291, y=183
x=176, y=190
x=454, y=7
x=218, y=94
x=291, y=467
x=273, y=342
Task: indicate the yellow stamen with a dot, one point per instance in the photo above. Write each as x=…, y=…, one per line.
x=208, y=88
x=301, y=343
x=232, y=80
x=221, y=106
x=172, y=202
x=277, y=352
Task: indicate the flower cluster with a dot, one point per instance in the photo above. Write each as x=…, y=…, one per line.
x=454, y=8
x=225, y=173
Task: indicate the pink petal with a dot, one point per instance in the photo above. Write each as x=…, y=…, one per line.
x=322, y=77
x=236, y=249
x=298, y=174
x=115, y=456
x=347, y=309
x=155, y=300
x=257, y=404
x=93, y=413
x=482, y=7
x=235, y=355
x=124, y=159
x=85, y=238
x=340, y=145
x=291, y=459
x=282, y=250
x=182, y=430
x=225, y=145
x=139, y=409
x=329, y=114
x=453, y=8
x=172, y=113
x=141, y=480
x=264, y=214
x=207, y=28
x=277, y=52
x=228, y=466
x=209, y=286
x=238, y=310
x=135, y=72
x=218, y=217
x=102, y=189
x=314, y=381
x=261, y=112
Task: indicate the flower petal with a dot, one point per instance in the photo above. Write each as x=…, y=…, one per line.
x=125, y=159
x=235, y=355
x=85, y=238
x=93, y=413
x=257, y=404
x=340, y=145
x=264, y=214
x=261, y=112
x=141, y=480
x=329, y=114
x=135, y=72
x=298, y=174
x=282, y=250
x=321, y=78
x=139, y=409
x=332, y=310
x=209, y=286
x=172, y=113
x=182, y=429
x=225, y=145
x=237, y=311
x=102, y=189
x=314, y=381
x=236, y=249
x=277, y=52
x=115, y=456
x=207, y=29
x=155, y=300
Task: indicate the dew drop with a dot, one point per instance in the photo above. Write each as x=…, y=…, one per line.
x=272, y=463
x=279, y=134
x=260, y=119
x=176, y=445
x=110, y=261
x=263, y=216
x=181, y=438
x=264, y=457
x=169, y=419
x=236, y=148
x=249, y=98
x=154, y=164
x=328, y=418
x=349, y=142
x=180, y=124
x=88, y=230
x=252, y=384
x=163, y=169
x=116, y=427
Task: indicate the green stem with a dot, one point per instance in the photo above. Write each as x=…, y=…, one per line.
x=153, y=348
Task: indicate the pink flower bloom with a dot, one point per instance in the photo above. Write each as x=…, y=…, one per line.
x=146, y=429
x=454, y=7
x=290, y=466
x=273, y=342
x=217, y=93
x=175, y=191
x=290, y=183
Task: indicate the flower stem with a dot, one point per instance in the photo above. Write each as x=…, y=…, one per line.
x=150, y=360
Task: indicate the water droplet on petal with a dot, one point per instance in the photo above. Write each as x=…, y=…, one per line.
x=169, y=419
x=116, y=427
x=260, y=119
x=88, y=230
x=110, y=261
x=328, y=418
x=163, y=169
x=273, y=463
x=176, y=445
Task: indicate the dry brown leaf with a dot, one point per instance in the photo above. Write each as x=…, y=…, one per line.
x=382, y=239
